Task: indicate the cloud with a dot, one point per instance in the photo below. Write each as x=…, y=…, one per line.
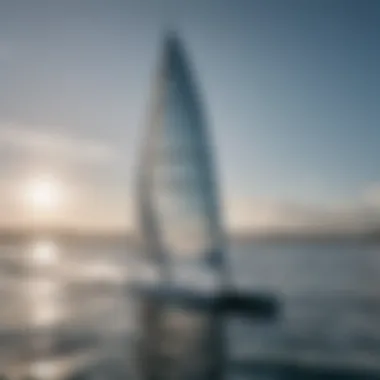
x=259, y=214
x=371, y=195
x=27, y=140
x=271, y=214
x=92, y=198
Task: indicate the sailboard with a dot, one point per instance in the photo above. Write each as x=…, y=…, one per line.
x=180, y=222
x=179, y=214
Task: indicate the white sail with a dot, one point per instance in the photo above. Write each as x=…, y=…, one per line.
x=183, y=334
x=177, y=192
x=179, y=215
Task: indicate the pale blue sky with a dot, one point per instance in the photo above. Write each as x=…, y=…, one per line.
x=291, y=90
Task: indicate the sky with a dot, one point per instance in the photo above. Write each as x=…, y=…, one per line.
x=291, y=90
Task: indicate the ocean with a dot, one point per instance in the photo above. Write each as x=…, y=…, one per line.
x=65, y=309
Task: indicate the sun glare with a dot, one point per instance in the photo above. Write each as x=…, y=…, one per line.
x=44, y=253
x=44, y=369
x=44, y=193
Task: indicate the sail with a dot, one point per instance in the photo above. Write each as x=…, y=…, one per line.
x=178, y=198
x=179, y=220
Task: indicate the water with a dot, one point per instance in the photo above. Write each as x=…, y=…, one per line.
x=65, y=307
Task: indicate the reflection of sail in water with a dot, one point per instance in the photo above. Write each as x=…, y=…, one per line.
x=179, y=217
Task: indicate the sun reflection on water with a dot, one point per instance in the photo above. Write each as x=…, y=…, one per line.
x=46, y=308
x=44, y=253
x=44, y=370
x=44, y=290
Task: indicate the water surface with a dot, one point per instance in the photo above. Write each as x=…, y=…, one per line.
x=66, y=308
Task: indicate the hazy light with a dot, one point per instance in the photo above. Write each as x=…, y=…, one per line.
x=45, y=306
x=44, y=193
x=44, y=369
x=103, y=271
x=45, y=314
x=44, y=253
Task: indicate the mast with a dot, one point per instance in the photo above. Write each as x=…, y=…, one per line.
x=178, y=198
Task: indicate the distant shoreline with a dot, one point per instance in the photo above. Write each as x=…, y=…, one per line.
x=370, y=236
x=127, y=237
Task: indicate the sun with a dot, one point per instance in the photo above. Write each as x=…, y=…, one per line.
x=44, y=193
